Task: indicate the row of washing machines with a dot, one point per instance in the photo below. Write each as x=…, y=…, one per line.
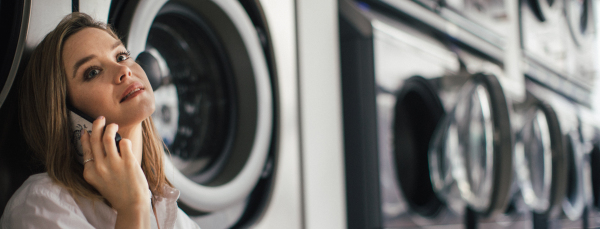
x=358, y=114
x=468, y=113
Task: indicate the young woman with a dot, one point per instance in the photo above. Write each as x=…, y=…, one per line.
x=83, y=63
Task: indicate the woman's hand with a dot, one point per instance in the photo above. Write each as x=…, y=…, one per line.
x=118, y=177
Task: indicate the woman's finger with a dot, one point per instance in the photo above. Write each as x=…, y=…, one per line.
x=96, y=139
x=88, y=161
x=108, y=140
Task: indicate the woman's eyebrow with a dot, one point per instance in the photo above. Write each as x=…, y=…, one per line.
x=88, y=58
x=81, y=62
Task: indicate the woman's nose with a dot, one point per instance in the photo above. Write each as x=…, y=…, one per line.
x=122, y=73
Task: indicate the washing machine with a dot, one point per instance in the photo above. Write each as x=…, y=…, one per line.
x=540, y=159
x=420, y=107
x=217, y=85
x=563, y=31
x=215, y=67
x=577, y=130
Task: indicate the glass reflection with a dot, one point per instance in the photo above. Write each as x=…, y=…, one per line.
x=471, y=158
x=533, y=158
x=195, y=111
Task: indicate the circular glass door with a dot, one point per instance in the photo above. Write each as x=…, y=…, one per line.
x=478, y=145
x=214, y=101
x=540, y=159
x=195, y=99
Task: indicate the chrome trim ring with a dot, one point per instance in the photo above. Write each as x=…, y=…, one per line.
x=536, y=198
x=485, y=145
x=475, y=188
x=550, y=143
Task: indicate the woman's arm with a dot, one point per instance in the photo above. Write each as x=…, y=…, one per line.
x=118, y=177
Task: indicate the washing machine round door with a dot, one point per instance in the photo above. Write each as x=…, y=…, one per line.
x=577, y=195
x=540, y=160
x=418, y=110
x=12, y=42
x=546, y=9
x=214, y=102
x=481, y=159
x=580, y=17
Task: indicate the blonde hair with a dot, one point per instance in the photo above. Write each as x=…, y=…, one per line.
x=44, y=116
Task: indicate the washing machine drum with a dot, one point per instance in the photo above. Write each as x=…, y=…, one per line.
x=417, y=112
x=213, y=95
x=541, y=160
x=473, y=144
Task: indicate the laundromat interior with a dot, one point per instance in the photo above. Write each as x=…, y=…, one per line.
x=352, y=113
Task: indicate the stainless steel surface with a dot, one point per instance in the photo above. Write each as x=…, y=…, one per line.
x=482, y=44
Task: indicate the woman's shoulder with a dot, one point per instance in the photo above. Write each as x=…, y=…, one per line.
x=37, y=187
x=41, y=203
x=39, y=184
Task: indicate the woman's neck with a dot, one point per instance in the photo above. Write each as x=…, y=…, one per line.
x=134, y=134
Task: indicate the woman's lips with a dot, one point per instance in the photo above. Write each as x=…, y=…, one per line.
x=132, y=91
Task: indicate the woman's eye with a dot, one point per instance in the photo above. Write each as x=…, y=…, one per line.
x=123, y=56
x=92, y=73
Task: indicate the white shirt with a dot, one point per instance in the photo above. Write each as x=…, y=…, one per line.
x=40, y=203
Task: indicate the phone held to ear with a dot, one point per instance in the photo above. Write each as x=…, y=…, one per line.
x=79, y=122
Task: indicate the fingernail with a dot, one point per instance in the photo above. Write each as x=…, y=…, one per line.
x=100, y=117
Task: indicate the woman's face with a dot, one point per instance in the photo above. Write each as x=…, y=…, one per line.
x=104, y=80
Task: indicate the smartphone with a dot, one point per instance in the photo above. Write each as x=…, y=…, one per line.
x=79, y=122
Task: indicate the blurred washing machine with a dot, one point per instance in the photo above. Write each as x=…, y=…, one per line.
x=214, y=66
x=573, y=171
x=558, y=44
x=427, y=132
